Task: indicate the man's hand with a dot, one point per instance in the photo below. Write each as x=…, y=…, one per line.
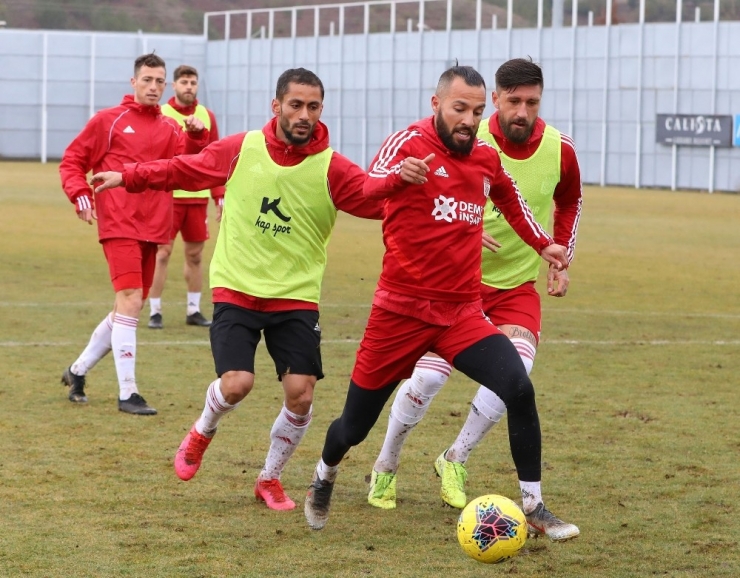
x=414, y=170
x=556, y=255
x=87, y=215
x=490, y=243
x=557, y=277
x=219, y=212
x=193, y=124
x=110, y=180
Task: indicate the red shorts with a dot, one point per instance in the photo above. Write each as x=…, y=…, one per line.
x=191, y=221
x=393, y=343
x=131, y=263
x=517, y=306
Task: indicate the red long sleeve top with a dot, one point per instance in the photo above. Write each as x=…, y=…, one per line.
x=129, y=132
x=214, y=165
x=432, y=232
x=568, y=195
x=217, y=193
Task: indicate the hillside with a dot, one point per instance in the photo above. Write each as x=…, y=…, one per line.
x=186, y=16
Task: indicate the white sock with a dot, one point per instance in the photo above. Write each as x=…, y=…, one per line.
x=526, y=351
x=410, y=405
x=123, y=342
x=531, y=495
x=326, y=473
x=97, y=348
x=486, y=410
x=215, y=408
x=155, y=306
x=193, y=303
x=287, y=432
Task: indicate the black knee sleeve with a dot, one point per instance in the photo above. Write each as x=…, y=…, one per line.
x=361, y=410
x=495, y=363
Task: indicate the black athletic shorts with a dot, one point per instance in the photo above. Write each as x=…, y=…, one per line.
x=293, y=339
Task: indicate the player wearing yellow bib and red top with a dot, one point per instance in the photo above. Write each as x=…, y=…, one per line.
x=543, y=163
x=284, y=187
x=190, y=210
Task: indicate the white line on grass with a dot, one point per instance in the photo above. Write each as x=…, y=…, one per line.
x=609, y=343
x=569, y=311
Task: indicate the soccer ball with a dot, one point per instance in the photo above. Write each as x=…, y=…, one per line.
x=491, y=529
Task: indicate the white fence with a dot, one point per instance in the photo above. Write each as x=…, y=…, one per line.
x=604, y=84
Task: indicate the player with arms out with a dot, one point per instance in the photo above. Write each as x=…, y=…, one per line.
x=436, y=177
x=129, y=227
x=190, y=212
x=284, y=186
x=543, y=162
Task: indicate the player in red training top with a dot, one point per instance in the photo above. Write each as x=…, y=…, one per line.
x=190, y=211
x=428, y=295
x=543, y=162
x=285, y=185
x=129, y=228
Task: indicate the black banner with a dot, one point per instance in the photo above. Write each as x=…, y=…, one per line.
x=694, y=129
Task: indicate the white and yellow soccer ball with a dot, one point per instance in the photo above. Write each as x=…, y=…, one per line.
x=491, y=529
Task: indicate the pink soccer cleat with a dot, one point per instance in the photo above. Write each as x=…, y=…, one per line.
x=190, y=454
x=271, y=492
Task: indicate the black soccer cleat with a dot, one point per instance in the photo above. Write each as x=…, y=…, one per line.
x=197, y=319
x=318, y=502
x=76, y=384
x=155, y=321
x=135, y=405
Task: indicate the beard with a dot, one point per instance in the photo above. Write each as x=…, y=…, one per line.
x=447, y=137
x=293, y=139
x=516, y=133
x=187, y=98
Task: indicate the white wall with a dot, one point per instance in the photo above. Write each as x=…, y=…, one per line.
x=603, y=85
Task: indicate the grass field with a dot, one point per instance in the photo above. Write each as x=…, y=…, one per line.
x=637, y=381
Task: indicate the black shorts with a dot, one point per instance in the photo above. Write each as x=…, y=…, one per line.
x=293, y=339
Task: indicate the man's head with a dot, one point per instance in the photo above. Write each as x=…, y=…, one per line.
x=150, y=78
x=458, y=106
x=298, y=102
x=517, y=97
x=185, y=85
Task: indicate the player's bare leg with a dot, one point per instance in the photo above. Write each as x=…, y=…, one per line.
x=193, y=272
x=222, y=397
x=287, y=432
x=155, y=293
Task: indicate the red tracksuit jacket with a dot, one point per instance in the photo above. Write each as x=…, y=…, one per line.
x=432, y=232
x=214, y=166
x=568, y=195
x=129, y=132
x=217, y=193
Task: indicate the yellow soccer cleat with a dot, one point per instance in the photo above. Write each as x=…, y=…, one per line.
x=453, y=476
x=382, y=490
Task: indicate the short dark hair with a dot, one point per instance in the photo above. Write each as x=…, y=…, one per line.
x=184, y=70
x=299, y=76
x=519, y=72
x=470, y=76
x=151, y=60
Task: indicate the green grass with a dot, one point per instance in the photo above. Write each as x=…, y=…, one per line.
x=637, y=391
